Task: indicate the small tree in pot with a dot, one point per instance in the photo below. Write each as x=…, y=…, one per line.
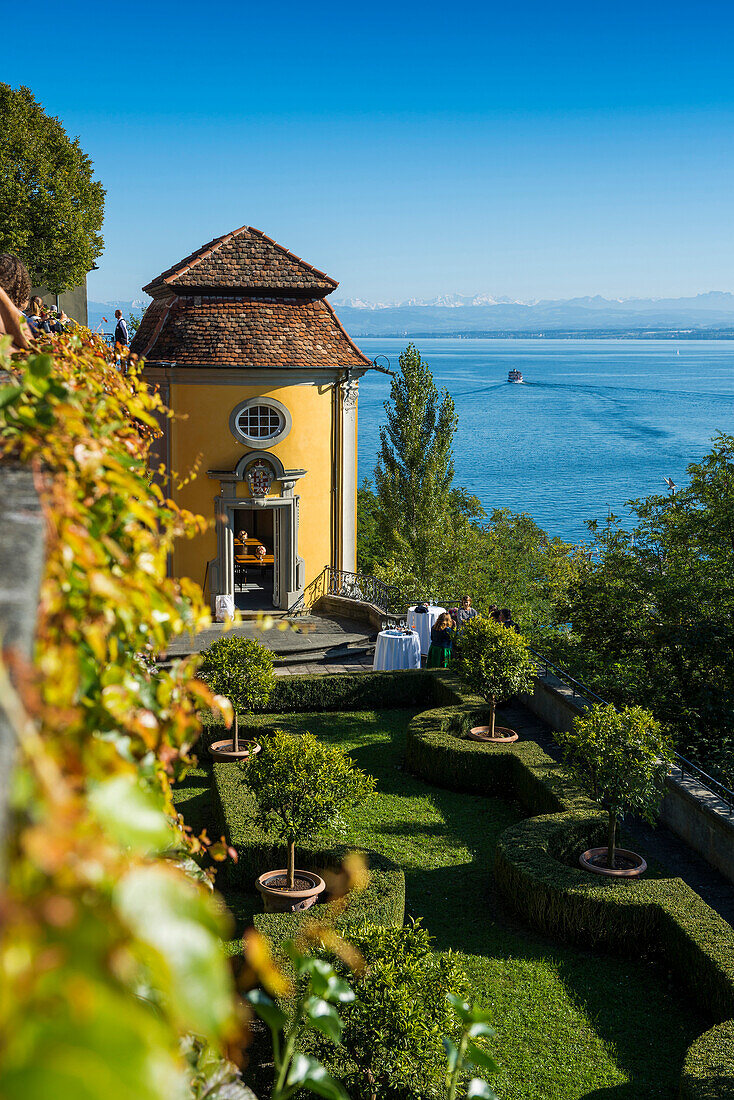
x=622, y=758
x=302, y=788
x=495, y=662
x=242, y=670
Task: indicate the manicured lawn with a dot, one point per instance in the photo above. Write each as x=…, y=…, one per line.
x=570, y=1024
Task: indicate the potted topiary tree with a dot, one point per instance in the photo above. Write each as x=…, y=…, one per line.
x=622, y=757
x=302, y=788
x=241, y=669
x=496, y=663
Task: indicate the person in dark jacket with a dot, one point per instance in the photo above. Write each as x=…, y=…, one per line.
x=121, y=336
x=442, y=639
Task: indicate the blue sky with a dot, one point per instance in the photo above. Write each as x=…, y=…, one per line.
x=534, y=150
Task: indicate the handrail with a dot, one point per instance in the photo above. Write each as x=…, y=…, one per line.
x=576, y=686
x=681, y=764
x=360, y=587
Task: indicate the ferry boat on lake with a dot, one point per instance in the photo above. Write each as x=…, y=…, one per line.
x=514, y=376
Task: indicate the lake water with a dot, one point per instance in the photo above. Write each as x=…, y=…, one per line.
x=596, y=422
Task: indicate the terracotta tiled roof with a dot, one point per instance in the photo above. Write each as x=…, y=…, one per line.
x=243, y=331
x=243, y=260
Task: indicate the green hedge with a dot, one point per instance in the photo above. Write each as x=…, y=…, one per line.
x=708, y=1073
x=352, y=691
x=383, y=902
x=537, y=871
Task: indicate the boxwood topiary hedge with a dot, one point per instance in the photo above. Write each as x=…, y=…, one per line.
x=537, y=871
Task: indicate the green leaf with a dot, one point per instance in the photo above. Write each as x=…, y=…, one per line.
x=460, y=1007
x=452, y=1053
x=180, y=926
x=324, y=1018
x=267, y=1010
x=479, y=1057
x=483, y=1030
x=9, y=395
x=307, y=1073
x=480, y=1088
x=98, y=1042
x=40, y=366
x=131, y=814
x=339, y=992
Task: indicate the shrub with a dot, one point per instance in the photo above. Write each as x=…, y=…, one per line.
x=241, y=669
x=392, y=1038
x=302, y=788
x=623, y=758
x=494, y=661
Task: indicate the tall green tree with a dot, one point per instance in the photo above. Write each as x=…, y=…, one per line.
x=652, y=610
x=52, y=208
x=415, y=468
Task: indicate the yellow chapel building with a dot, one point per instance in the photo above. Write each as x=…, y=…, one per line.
x=262, y=380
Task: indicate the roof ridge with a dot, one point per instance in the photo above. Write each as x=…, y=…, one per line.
x=171, y=274
x=291, y=255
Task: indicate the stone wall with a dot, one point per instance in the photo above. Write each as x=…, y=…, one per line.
x=21, y=566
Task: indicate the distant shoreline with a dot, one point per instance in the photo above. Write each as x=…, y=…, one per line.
x=589, y=334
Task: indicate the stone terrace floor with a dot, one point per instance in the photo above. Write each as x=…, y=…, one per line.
x=312, y=645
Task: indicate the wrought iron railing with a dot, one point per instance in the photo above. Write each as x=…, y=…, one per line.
x=350, y=586
x=681, y=766
x=577, y=688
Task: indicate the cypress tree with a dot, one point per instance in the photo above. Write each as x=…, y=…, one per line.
x=415, y=468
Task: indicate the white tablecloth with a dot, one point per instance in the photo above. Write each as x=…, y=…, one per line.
x=394, y=649
x=424, y=623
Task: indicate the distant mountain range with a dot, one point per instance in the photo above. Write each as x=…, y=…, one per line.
x=482, y=315
x=705, y=315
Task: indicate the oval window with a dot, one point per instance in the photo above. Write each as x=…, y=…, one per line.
x=259, y=422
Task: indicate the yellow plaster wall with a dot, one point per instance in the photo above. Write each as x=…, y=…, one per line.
x=205, y=432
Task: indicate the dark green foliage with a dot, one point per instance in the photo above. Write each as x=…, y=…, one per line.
x=355, y=691
x=652, y=610
x=622, y=757
x=240, y=669
x=415, y=468
x=52, y=208
x=369, y=544
x=494, y=661
x=392, y=1039
x=315, y=1013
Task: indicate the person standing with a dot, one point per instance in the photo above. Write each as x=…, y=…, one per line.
x=465, y=612
x=121, y=336
x=442, y=638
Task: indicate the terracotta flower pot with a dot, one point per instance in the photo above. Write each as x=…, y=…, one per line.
x=502, y=735
x=631, y=865
x=225, y=750
x=278, y=899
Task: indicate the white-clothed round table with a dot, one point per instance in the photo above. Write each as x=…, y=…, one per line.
x=424, y=623
x=393, y=649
